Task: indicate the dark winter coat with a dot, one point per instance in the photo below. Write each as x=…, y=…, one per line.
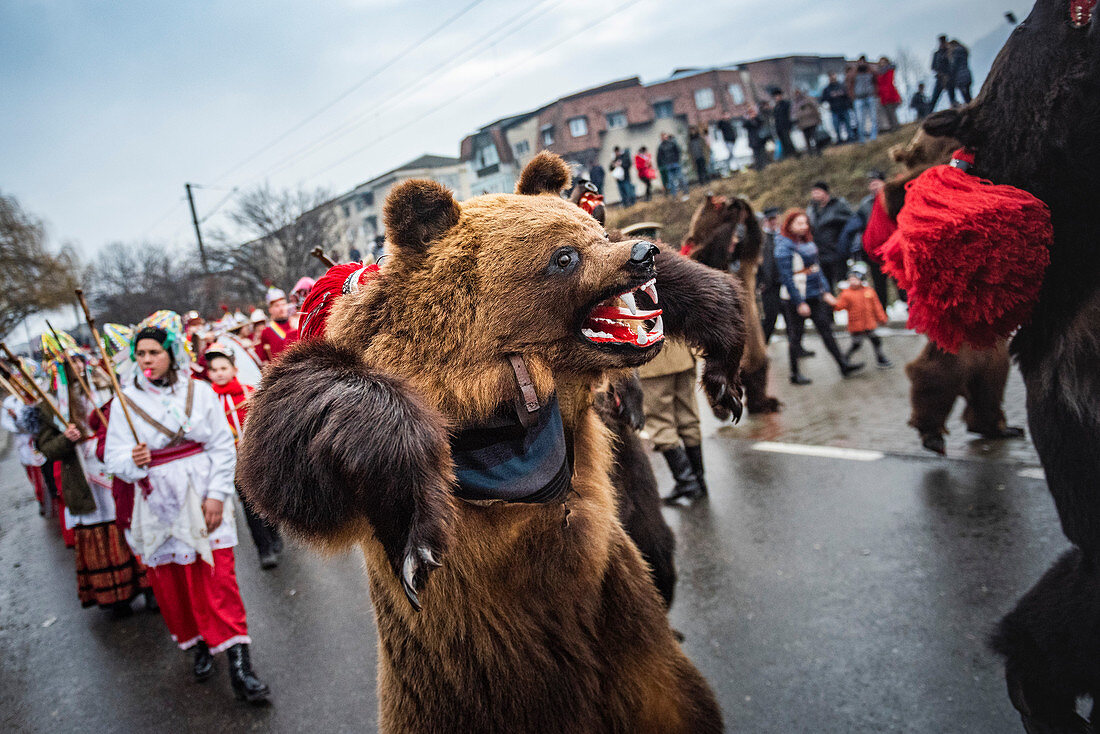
x=668, y=153
x=960, y=67
x=836, y=96
x=941, y=62
x=782, y=115
x=768, y=274
x=55, y=447
x=729, y=132
x=827, y=223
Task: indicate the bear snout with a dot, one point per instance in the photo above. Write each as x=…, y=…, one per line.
x=642, y=254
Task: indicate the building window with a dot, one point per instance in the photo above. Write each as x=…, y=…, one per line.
x=578, y=127
x=522, y=147
x=737, y=94
x=486, y=156
x=663, y=109
x=616, y=120
x=548, y=135
x=704, y=98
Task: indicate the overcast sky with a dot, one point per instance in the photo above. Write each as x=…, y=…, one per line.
x=109, y=107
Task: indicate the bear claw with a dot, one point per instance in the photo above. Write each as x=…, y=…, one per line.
x=415, y=567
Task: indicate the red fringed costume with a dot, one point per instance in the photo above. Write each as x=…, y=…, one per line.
x=970, y=253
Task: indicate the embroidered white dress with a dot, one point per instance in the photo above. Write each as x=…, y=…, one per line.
x=168, y=525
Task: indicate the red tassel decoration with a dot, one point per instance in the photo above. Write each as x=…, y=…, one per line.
x=340, y=280
x=970, y=253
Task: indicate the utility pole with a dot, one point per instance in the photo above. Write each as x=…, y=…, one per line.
x=198, y=232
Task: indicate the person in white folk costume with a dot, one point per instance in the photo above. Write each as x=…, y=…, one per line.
x=107, y=574
x=29, y=456
x=183, y=527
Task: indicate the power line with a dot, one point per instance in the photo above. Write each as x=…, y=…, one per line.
x=353, y=88
x=556, y=42
x=447, y=64
x=161, y=219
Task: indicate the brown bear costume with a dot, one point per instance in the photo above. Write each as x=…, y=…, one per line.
x=938, y=377
x=712, y=240
x=509, y=612
x=1035, y=126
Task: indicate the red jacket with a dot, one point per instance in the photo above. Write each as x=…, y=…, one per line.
x=274, y=339
x=863, y=307
x=887, y=92
x=644, y=164
x=234, y=398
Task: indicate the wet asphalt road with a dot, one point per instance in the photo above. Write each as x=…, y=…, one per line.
x=815, y=594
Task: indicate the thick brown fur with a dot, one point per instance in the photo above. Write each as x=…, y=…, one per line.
x=1051, y=650
x=938, y=378
x=532, y=617
x=712, y=240
x=620, y=408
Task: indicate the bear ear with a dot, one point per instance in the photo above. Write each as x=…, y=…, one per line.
x=545, y=174
x=417, y=213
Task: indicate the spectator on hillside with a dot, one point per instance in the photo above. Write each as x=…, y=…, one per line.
x=596, y=175
x=668, y=164
x=729, y=137
x=808, y=115
x=920, y=103
x=643, y=163
x=828, y=216
x=888, y=95
x=836, y=96
x=783, y=121
x=354, y=255
x=620, y=171
x=865, y=94
x=699, y=152
x=756, y=128
x=961, y=78
x=941, y=67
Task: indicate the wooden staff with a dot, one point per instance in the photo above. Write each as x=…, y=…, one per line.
x=76, y=373
x=8, y=386
x=318, y=253
x=22, y=392
x=34, y=386
x=107, y=364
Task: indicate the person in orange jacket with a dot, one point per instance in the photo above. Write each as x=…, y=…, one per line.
x=865, y=314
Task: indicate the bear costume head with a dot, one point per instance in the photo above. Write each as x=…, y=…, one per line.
x=491, y=325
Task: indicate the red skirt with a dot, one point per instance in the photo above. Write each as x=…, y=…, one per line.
x=34, y=473
x=198, y=602
x=106, y=571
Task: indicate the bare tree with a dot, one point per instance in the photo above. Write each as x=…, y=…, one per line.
x=284, y=227
x=32, y=279
x=129, y=282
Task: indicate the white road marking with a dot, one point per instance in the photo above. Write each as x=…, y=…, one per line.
x=1032, y=472
x=827, y=452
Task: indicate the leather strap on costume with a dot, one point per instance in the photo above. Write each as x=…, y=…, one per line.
x=174, y=437
x=160, y=457
x=531, y=405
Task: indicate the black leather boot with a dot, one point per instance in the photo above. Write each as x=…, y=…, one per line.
x=686, y=483
x=204, y=662
x=246, y=686
x=695, y=456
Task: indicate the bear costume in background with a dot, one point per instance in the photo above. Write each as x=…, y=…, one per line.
x=937, y=377
x=1034, y=126
x=713, y=240
x=505, y=601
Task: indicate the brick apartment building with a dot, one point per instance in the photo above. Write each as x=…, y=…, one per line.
x=584, y=127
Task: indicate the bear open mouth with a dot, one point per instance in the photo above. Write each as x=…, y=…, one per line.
x=1080, y=12
x=618, y=320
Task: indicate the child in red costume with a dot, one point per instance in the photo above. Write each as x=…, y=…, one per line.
x=221, y=369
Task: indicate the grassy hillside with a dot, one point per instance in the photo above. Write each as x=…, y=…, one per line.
x=783, y=184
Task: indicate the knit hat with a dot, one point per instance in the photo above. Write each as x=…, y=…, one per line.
x=858, y=269
x=821, y=185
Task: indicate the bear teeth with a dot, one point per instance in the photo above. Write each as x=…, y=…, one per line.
x=628, y=299
x=650, y=289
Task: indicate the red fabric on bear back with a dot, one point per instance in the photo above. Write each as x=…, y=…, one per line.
x=338, y=281
x=971, y=255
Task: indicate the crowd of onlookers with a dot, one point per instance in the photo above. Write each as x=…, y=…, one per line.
x=859, y=105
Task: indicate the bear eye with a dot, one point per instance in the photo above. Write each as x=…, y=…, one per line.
x=564, y=260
